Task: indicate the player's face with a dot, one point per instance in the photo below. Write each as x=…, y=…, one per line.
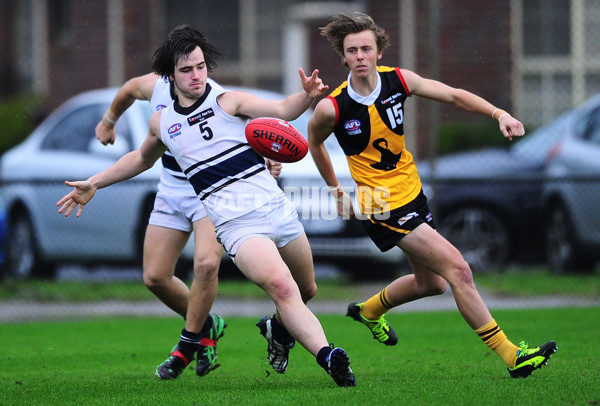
x=361, y=54
x=190, y=77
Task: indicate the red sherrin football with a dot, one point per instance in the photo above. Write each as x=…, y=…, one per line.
x=276, y=139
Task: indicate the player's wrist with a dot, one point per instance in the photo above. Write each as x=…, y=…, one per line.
x=109, y=119
x=497, y=114
x=309, y=94
x=503, y=115
x=337, y=192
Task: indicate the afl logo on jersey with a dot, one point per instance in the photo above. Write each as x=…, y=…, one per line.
x=174, y=130
x=160, y=107
x=352, y=127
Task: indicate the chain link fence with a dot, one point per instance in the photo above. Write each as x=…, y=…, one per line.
x=521, y=204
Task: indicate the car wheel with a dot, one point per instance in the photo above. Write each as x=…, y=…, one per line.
x=480, y=236
x=23, y=260
x=561, y=245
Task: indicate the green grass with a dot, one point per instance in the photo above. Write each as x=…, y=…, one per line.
x=523, y=283
x=77, y=291
x=438, y=361
x=540, y=282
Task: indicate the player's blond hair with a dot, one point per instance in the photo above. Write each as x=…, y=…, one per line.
x=341, y=25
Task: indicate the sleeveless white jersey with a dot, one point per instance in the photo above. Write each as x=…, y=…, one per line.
x=209, y=144
x=172, y=178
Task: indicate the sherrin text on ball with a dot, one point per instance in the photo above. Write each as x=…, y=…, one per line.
x=276, y=139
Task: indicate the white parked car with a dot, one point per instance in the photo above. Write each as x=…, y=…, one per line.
x=571, y=191
x=64, y=147
x=111, y=231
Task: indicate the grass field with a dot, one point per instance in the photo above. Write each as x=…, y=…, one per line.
x=438, y=361
x=523, y=283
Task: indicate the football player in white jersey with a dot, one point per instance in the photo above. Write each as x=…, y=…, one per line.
x=176, y=213
x=256, y=224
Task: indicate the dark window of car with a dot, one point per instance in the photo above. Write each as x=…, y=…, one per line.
x=589, y=126
x=76, y=130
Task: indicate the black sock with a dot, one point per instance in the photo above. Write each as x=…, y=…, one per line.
x=188, y=343
x=208, y=324
x=322, y=357
x=280, y=334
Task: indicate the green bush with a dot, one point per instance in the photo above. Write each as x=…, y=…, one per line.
x=16, y=120
x=459, y=136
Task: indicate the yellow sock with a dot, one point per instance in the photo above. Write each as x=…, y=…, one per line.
x=495, y=338
x=376, y=306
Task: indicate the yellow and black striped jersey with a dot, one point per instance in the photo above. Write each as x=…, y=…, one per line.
x=370, y=131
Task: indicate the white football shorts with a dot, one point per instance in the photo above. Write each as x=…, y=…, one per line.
x=277, y=221
x=177, y=212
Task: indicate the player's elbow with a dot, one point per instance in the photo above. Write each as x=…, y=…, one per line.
x=146, y=164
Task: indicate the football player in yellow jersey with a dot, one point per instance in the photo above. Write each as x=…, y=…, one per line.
x=366, y=114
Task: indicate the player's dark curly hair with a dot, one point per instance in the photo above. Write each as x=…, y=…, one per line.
x=180, y=42
x=341, y=25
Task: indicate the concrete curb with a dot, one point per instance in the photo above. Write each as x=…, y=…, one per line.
x=24, y=311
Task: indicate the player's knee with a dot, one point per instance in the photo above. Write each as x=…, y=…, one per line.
x=154, y=280
x=433, y=286
x=462, y=273
x=206, y=267
x=308, y=292
x=437, y=287
x=280, y=287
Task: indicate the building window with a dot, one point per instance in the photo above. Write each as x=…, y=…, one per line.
x=557, y=56
x=250, y=39
x=546, y=29
x=59, y=21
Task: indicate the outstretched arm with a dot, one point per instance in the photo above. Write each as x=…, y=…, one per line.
x=128, y=166
x=432, y=89
x=239, y=103
x=138, y=88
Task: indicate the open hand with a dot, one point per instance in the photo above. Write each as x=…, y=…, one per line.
x=77, y=198
x=312, y=85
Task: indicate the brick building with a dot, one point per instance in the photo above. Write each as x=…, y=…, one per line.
x=533, y=59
